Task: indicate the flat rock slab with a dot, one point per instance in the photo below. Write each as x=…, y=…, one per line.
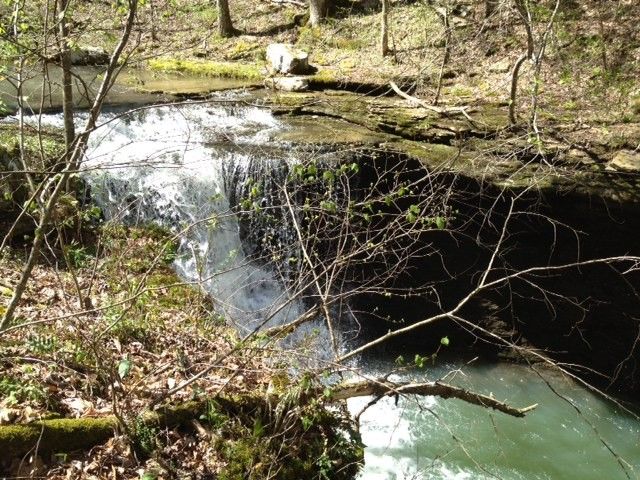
x=625, y=161
x=310, y=131
x=287, y=84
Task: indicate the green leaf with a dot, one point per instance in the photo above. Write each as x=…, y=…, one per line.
x=124, y=368
x=258, y=428
x=444, y=341
x=328, y=206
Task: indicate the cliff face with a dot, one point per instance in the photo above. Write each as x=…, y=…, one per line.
x=573, y=203
x=581, y=310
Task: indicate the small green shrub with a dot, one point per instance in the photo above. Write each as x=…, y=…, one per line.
x=145, y=438
x=16, y=391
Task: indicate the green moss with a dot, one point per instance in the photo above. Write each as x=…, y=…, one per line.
x=51, y=141
x=206, y=68
x=244, y=49
x=432, y=155
x=460, y=91
x=324, y=78
x=309, y=36
x=61, y=435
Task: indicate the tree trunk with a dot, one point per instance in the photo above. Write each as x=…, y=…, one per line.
x=225, y=26
x=490, y=7
x=317, y=11
x=74, y=158
x=525, y=14
x=67, y=85
x=513, y=92
x=447, y=52
x=384, y=29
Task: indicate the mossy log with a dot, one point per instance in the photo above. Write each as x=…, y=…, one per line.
x=70, y=434
x=61, y=435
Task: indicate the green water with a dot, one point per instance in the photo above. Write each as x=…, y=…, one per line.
x=133, y=87
x=428, y=438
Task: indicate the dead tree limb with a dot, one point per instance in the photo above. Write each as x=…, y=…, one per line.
x=433, y=108
x=383, y=387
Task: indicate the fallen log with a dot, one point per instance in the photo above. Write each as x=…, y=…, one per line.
x=381, y=388
x=70, y=434
x=62, y=435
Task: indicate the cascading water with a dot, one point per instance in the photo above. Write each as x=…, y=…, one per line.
x=182, y=167
x=178, y=166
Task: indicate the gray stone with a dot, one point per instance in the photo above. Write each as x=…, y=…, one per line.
x=503, y=66
x=625, y=161
x=285, y=58
x=287, y=84
x=89, y=56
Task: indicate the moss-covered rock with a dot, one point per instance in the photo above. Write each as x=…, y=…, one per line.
x=247, y=71
x=320, y=443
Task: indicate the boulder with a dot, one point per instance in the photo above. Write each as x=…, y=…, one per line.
x=625, y=161
x=286, y=59
x=502, y=66
x=287, y=84
x=89, y=56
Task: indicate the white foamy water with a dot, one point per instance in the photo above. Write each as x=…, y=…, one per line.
x=174, y=166
x=433, y=438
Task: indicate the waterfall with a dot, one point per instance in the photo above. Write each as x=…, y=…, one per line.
x=182, y=167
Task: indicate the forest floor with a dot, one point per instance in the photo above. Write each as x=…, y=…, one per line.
x=120, y=355
x=589, y=75
x=588, y=90
x=135, y=337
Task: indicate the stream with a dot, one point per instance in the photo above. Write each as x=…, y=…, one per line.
x=563, y=438
x=178, y=166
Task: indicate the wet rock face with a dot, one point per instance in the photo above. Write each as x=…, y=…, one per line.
x=89, y=56
x=583, y=315
x=83, y=56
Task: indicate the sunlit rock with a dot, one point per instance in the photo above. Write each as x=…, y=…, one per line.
x=285, y=58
